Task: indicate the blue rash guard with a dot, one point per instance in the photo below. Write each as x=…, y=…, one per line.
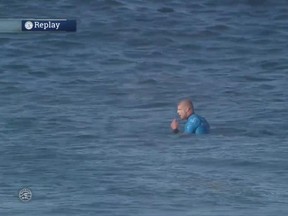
x=196, y=125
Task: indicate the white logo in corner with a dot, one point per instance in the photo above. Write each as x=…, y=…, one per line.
x=25, y=195
x=28, y=25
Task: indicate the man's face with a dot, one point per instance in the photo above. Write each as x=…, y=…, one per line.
x=182, y=111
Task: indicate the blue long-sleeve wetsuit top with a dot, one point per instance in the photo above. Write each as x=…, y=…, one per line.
x=196, y=125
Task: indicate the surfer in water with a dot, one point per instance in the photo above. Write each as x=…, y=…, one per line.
x=195, y=124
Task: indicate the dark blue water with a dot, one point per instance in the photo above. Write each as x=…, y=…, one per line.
x=85, y=116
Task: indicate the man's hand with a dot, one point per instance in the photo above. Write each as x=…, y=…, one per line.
x=175, y=125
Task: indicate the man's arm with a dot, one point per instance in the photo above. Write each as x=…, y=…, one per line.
x=174, y=126
x=175, y=130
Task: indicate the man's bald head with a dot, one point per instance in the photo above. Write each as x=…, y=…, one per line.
x=186, y=103
x=185, y=108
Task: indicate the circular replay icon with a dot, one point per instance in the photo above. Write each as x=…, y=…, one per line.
x=28, y=25
x=25, y=195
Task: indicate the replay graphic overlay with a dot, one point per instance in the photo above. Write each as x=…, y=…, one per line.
x=37, y=25
x=49, y=25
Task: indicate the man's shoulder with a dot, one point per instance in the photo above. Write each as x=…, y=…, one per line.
x=197, y=118
x=198, y=123
x=194, y=119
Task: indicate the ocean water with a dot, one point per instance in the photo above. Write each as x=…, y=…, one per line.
x=85, y=116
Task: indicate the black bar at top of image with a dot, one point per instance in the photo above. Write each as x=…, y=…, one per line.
x=49, y=25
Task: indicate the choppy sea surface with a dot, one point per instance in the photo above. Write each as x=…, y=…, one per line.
x=85, y=116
